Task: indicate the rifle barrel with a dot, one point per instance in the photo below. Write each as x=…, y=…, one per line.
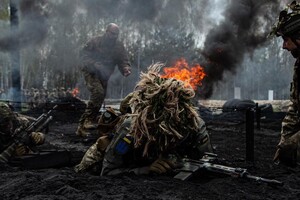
x=191, y=166
x=265, y=180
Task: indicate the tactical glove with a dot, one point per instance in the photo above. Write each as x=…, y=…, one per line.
x=21, y=150
x=161, y=166
x=37, y=138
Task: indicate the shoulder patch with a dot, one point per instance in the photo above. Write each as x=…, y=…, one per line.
x=123, y=145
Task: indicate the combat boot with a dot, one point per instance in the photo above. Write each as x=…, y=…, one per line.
x=82, y=132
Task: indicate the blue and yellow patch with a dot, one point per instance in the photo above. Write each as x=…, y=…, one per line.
x=123, y=145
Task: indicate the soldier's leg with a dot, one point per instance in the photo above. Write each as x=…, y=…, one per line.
x=288, y=151
x=97, y=95
x=96, y=100
x=290, y=124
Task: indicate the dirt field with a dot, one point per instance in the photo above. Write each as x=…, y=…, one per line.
x=228, y=139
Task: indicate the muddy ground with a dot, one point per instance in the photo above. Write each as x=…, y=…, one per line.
x=228, y=139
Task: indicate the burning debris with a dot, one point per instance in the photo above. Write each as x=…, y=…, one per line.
x=191, y=76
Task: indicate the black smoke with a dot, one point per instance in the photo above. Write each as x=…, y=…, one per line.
x=245, y=28
x=31, y=28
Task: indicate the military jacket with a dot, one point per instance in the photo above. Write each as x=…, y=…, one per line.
x=291, y=122
x=107, y=55
x=121, y=155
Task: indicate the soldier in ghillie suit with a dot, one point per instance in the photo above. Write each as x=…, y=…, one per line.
x=159, y=126
x=9, y=123
x=288, y=27
x=98, y=59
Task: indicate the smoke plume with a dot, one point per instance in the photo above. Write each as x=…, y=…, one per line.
x=32, y=28
x=245, y=27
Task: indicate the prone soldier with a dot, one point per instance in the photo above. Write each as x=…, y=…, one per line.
x=162, y=127
x=10, y=123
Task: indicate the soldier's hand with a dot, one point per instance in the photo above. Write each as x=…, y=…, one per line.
x=126, y=71
x=21, y=150
x=79, y=168
x=37, y=137
x=161, y=166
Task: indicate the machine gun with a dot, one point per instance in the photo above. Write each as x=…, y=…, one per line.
x=191, y=167
x=22, y=135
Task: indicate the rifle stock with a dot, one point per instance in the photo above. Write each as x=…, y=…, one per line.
x=190, y=167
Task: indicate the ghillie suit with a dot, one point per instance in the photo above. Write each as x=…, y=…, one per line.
x=162, y=121
x=162, y=111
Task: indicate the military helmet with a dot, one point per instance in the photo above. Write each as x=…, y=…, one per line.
x=6, y=113
x=288, y=21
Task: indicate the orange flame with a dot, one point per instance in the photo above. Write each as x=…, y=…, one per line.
x=75, y=92
x=192, y=76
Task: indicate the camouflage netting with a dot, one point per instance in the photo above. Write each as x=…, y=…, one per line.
x=162, y=110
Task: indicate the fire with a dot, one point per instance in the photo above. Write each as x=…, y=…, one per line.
x=192, y=76
x=75, y=92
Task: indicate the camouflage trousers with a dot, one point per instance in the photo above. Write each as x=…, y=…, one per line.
x=290, y=134
x=97, y=89
x=290, y=124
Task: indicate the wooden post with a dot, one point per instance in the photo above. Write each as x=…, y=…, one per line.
x=257, y=116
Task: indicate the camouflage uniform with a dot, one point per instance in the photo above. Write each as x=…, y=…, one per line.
x=290, y=132
x=151, y=135
x=6, y=120
x=288, y=27
x=291, y=123
x=9, y=122
x=116, y=154
x=98, y=63
x=117, y=160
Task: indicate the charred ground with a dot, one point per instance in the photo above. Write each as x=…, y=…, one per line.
x=228, y=138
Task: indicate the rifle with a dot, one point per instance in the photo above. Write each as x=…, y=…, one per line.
x=22, y=135
x=190, y=167
x=48, y=159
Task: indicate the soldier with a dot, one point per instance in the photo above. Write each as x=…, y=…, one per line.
x=288, y=27
x=61, y=92
x=9, y=122
x=98, y=59
x=163, y=128
x=31, y=98
x=69, y=93
x=36, y=97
